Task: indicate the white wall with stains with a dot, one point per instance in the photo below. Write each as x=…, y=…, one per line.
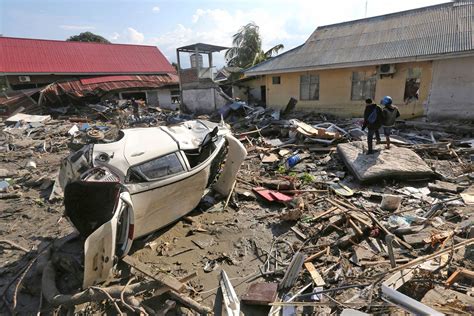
x=452, y=89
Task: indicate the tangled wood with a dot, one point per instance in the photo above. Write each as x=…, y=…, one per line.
x=55, y=298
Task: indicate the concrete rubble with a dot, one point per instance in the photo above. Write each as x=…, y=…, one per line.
x=313, y=225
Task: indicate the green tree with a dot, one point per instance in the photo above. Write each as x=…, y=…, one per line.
x=88, y=37
x=175, y=65
x=246, y=50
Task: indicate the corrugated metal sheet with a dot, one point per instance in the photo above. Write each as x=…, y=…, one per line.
x=106, y=79
x=13, y=100
x=29, y=56
x=100, y=86
x=434, y=30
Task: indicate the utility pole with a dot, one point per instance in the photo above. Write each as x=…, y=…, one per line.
x=366, y=7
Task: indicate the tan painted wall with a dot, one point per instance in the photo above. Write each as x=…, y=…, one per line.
x=335, y=90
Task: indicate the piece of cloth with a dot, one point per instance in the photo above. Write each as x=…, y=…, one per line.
x=367, y=112
x=390, y=114
x=387, y=130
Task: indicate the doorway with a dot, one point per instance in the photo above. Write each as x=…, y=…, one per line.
x=263, y=94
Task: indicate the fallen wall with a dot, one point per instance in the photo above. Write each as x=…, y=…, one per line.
x=452, y=89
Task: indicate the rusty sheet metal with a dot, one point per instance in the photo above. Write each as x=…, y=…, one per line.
x=13, y=100
x=99, y=86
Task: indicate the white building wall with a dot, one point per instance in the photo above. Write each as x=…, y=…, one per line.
x=452, y=89
x=206, y=100
x=164, y=99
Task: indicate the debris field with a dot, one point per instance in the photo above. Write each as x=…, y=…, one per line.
x=313, y=225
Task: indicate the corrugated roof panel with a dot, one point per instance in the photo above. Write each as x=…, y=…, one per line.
x=20, y=55
x=440, y=29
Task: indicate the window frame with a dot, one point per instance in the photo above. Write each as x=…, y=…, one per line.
x=312, y=95
x=412, y=75
x=134, y=169
x=276, y=77
x=367, y=83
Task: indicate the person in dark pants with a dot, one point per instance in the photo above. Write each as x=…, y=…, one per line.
x=390, y=115
x=373, y=121
x=135, y=106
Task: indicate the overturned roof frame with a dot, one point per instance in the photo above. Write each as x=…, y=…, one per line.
x=198, y=48
x=201, y=48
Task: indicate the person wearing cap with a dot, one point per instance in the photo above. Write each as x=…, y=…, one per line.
x=373, y=121
x=390, y=114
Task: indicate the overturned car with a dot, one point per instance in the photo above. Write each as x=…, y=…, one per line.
x=144, y=180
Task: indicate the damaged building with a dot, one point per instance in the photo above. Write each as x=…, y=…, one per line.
x=200, y=91
x=423, y=58
x=48, y=72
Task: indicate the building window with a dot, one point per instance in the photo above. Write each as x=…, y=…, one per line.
x=363, y=86
x=276, y=80
x=309, y=87
x=412, y=85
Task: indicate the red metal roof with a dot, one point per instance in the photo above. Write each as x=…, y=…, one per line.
x=29, y=56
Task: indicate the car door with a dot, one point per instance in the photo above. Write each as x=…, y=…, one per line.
x=163, y=190
x=112, y=239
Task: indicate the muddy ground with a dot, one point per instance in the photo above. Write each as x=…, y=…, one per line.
x=236, y=238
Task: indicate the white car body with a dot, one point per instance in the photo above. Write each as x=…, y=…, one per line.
x=150, y=177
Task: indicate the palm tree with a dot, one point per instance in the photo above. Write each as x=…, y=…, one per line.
x=246, y=50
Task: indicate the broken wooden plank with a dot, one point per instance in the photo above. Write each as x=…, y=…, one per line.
x=360, y=219
x=442, y=186
x=317, y=254
x=355, y=227
x=434, y=255
x=299, y=233
x=318, y=280
x=166, y=280
x=332, y=209
x=461, y=272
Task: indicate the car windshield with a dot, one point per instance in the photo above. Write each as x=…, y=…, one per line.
x=158, y=168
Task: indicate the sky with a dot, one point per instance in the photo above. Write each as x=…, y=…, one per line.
x=172, y=24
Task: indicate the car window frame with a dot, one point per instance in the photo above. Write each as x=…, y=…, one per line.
x=183, y=163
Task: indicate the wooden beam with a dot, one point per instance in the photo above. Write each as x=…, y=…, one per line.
x=332, y=209
x=318, y=280
x=164, y=279
x=317, y=255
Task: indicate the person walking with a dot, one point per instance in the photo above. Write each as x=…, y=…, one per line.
x=390, y=114
x=373, y=121
x=136, y=109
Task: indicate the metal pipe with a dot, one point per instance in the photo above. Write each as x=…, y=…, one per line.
x=389, y=240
